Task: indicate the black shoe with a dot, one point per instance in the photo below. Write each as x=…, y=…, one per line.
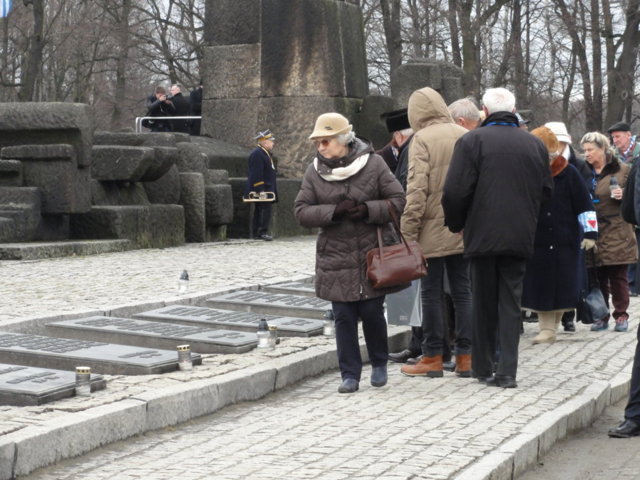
x=379, y=376
x=265, y=237
x=626, y=429
x=503, y=381
x=401, y=357
x=481, y=378
x=349, y=385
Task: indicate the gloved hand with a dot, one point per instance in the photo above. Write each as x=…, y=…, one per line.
x=587, y=244
x=342, y=208
x=359, y=212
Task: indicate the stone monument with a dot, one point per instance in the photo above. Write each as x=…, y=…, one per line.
x=278, y=64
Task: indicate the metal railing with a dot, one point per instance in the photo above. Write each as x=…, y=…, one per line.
x=140, y=119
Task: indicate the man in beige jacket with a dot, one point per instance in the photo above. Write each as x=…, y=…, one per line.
x=423, y=220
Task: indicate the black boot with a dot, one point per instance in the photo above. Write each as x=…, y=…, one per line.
x=567, y=321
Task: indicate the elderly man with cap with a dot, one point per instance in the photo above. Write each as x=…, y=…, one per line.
x=627, y=147
x=397, y=123
x=262, y=178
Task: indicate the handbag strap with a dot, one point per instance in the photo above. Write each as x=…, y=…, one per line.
x=394, y=220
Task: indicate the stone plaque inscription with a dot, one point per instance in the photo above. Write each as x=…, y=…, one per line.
x=66, y=354
x=154, y=334
x=274, y=303
x=21, y=386
x=243, y=321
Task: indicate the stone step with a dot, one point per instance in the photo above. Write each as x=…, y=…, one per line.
x=106, y=358
x=240, y=321
x=143, y=333
x=39, y=250
x=27, y=386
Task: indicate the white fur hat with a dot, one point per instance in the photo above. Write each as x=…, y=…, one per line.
x=560, y=129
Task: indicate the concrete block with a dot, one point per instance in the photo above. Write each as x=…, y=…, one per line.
x=121, y=163
x=11, y=173
x=223, y=64
x=166, y=189
x=549, y=428
x=7, y=455
x=580, y=412
x=283, y=222
x=620, y=386
x=219, y=176
x=223, y=156
x=28, y=123
x=367, y=122
x=524, y=449
x=233, y=120
x=600, y=391
x=247, y=385
x=241, y=225
x=191, y=159
x=118, y=193
x=180, y=403
x=192, y=198
x=413, y=76
x=27, y=153
x=229, y=22
x=164, y=159
x=73, y=435
x=306, y=364
x=218, y=204
x=166, y=226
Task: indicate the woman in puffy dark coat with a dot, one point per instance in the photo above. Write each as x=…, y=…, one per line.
x=616, y=247
x=347, y=192
x=551, y=283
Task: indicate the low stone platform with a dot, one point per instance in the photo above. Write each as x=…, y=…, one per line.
x=80, y=248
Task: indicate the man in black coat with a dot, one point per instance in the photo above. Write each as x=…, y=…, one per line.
x=498, y=177
x=262, y=178
x=182, y=107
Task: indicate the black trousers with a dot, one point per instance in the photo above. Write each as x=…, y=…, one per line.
x=496, y=283
x=632, y=410
x=374, y=327
x=261, y=219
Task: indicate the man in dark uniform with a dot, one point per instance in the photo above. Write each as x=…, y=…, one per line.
x=262, y=178
x=195, y=100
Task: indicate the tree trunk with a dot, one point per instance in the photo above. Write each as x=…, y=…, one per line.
x=392, y=32
x=121, y=65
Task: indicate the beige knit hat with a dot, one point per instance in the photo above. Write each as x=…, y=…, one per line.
x=329, y=125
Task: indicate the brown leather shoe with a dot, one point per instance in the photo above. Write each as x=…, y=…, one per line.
x=426, y=367
x=463, y=365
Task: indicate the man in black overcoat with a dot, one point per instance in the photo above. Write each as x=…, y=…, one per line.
x=498, y=177
x=182, y=107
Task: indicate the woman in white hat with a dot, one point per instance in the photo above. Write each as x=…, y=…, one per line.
x=347, y=192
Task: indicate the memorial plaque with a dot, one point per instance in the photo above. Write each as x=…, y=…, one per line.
x=292, y=288
x=272, y=303
x=154, y=334
x=26, y=386
x=242, y=321
x=66, y=354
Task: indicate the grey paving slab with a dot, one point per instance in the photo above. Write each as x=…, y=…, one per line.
x=243, y=321
x=271, y=303
x=22, y=386
x=168, y=336
x=66, y=354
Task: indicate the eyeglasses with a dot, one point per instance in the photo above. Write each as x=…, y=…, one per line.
x=322, y=142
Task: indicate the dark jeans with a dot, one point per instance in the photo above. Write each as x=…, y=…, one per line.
x=632, y=410
x=374, y=327
x=496, y=283
x=613, y=281
x=433, y=325
x=261, y=219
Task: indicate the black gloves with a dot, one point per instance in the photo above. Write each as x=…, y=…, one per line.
x=359, y=212
x=342, y=208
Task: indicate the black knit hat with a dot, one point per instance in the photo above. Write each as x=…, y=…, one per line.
x=619, y=127
x=396, y=120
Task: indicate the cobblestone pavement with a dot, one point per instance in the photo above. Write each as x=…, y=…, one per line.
x=414, y=428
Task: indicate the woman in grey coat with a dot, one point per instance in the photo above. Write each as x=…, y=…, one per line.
x=346, y=193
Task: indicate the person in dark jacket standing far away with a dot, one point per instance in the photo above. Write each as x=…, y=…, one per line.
x=347, y=192
x=498, y=177
x=182, y=108
x=262, y=179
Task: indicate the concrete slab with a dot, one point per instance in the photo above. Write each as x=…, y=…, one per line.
x=242, y=321
x=304, y=289
x=271, y=303
x=65, y=354
x=143, y=333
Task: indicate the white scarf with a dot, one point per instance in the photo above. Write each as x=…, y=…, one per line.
x=342, y=173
